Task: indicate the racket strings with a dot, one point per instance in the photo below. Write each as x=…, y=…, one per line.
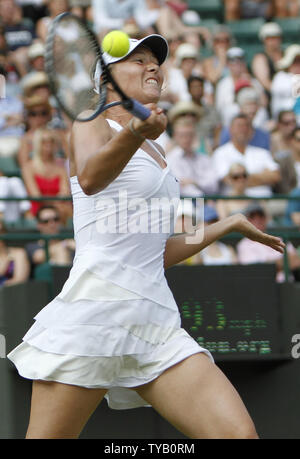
x=74, y=55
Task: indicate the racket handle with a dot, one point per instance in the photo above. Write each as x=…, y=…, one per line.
x=137, y=109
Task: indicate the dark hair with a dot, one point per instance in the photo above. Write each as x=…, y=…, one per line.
x=239, y=116
x=45, y=207
x=282, y=113
x=195, y=78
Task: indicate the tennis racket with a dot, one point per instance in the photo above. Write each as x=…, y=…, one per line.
x=73, y=57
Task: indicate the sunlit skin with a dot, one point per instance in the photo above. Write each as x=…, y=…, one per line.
x=137, y=79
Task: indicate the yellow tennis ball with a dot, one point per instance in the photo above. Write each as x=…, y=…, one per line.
x=116, y=43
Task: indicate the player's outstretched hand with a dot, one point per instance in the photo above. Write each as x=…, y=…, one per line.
x=152, y=127
x=242, y=225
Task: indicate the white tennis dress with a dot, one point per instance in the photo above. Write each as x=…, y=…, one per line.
x=115, y=323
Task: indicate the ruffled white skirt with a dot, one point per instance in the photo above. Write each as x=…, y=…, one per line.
x=97, y=334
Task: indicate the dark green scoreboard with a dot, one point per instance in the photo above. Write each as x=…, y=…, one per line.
x=233, y=311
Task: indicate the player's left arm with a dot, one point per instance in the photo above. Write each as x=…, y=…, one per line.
x=182, y=246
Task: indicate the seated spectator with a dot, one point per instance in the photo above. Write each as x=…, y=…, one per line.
x=18, y=34
x=262, y=169
x=14, y=264
x=238, y=183
x=61, y=252
x=186, y=110
x=264, y=63
x=283, y=84
x=55, y=7
x=292, y=215
x=114, y=14
x=286, y=152
x=216, y=253
x=250, y=252
x=36, y=65
x=228, y=86
x=246, y=9
x=36, y=84
x=248, y=103
x=38, y=114
x=43, y=176
x=12, y=187
x=281, y=137
x=215, y=66
x=209, y=125
x=286, y=8
x=195, y=172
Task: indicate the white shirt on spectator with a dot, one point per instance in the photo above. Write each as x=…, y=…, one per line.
x=196, y=167
x=111, y=14
x=282, y=93
x=13, y=187
x=254, y=159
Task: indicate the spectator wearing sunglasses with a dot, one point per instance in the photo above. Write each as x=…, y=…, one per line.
x=61, y=252
x=39, y=114
x=238, y=182
x=263, y=170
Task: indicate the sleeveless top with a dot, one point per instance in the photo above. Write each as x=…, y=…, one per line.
x=47, y=187
x=117, y=284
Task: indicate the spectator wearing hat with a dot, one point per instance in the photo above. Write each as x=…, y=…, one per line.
x=251, y=252
x=187, y=64
x=195, y=173
x=263, y=171
x=215, y=67
x=209, y=124
x=285, y=83
x=264, y=63
x=184, y=110
x=36, y=84
x=248, y=103
x=227, y=87
x=36, y=68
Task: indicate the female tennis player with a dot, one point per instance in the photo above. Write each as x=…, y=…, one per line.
x=114, y=330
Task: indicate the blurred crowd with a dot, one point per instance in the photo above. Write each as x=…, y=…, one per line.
x=233, y=131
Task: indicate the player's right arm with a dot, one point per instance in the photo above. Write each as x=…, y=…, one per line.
x=98, y=154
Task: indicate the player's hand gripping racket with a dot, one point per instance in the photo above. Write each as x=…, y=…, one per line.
x=72, y=52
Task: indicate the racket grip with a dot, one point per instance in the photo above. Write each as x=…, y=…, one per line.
x=138, y=110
